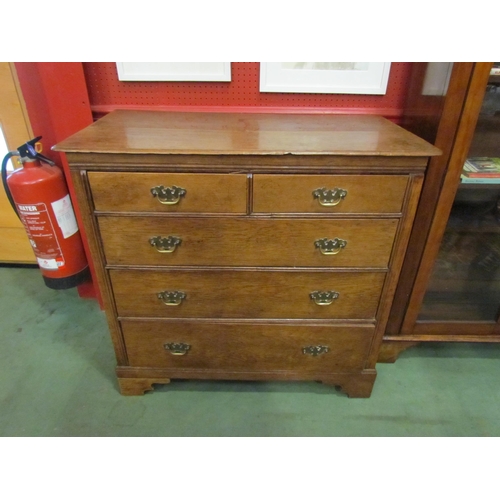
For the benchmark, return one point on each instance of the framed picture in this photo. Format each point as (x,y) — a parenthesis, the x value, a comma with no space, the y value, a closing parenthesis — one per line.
(174,71)
(437,78)
(325,77)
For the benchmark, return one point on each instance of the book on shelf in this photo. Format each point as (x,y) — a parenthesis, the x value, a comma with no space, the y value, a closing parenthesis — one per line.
(481,167)
(479,180)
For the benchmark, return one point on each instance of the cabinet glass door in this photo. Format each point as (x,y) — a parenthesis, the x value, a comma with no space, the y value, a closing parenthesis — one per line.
(465,282)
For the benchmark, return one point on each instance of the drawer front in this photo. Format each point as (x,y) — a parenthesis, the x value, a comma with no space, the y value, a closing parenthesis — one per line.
(247,294)
(248,241)
(246,348)
(195,193)
(343,194)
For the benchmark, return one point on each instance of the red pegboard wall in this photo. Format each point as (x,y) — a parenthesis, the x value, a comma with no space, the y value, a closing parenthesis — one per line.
(106,92)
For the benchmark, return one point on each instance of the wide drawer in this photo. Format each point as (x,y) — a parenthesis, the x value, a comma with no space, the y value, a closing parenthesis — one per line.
(247,294)
(247,241)
(247,347)
(185,193)
(342,194)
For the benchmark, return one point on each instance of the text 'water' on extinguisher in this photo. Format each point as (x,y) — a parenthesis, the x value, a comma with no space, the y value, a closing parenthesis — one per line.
(40,197)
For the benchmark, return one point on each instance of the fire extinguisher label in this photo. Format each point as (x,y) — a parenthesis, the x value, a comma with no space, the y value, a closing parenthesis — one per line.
(65,216)
(42,236)
(48,264)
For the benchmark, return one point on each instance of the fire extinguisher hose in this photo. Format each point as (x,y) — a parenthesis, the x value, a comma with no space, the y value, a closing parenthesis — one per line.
(7,157)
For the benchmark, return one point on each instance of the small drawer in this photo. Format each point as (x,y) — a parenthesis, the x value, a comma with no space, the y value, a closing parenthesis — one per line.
(329,194)
(247,241)
(247,347)
(247,294)
(169,193)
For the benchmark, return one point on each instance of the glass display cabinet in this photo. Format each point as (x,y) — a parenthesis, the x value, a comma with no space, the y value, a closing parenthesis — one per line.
(449,288)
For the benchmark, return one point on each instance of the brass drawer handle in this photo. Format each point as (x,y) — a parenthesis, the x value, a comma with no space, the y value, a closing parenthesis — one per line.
(165,245)
(324,298)
(315,350)
(177,348)
(168,195)
(330,247)
(171,298)
(329,197)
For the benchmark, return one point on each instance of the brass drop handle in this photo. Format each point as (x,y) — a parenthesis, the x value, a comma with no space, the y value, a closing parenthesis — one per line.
(324,298)
(177,348)
(330,246)
(329,197)
(171,298)
(315,350)
(168,195)
(165,245)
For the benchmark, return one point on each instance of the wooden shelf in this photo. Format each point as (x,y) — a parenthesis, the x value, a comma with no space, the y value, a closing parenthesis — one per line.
(480,185)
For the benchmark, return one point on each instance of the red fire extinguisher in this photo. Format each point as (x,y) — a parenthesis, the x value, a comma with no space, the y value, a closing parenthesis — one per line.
(39,195)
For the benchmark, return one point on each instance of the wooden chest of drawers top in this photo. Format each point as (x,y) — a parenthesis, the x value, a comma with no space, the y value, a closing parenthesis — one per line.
(154,133)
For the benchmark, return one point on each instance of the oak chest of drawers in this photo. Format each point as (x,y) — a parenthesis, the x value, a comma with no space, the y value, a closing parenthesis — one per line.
(246,246)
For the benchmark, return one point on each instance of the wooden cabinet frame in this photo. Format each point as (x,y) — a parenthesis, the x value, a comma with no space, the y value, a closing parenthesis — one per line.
(450,125)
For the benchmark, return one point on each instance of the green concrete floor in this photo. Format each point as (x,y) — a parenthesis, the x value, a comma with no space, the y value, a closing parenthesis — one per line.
(57,379)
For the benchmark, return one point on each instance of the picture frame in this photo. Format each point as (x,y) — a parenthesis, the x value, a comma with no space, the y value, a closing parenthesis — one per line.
(174,71)
(325,78)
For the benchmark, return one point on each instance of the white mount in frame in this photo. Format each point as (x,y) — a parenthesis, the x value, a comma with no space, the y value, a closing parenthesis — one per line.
(174,71)
(325,78)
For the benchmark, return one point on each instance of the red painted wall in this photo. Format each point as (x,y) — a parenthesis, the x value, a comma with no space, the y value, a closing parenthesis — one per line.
(56,100)
(58,106)
(106,93)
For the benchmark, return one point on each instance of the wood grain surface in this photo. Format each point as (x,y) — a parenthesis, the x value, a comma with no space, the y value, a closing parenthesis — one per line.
(245,241)
(247,347)
(157,132)
(247,294)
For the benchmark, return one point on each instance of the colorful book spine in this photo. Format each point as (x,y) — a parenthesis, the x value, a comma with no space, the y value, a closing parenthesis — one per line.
(482,167)
(479,180)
